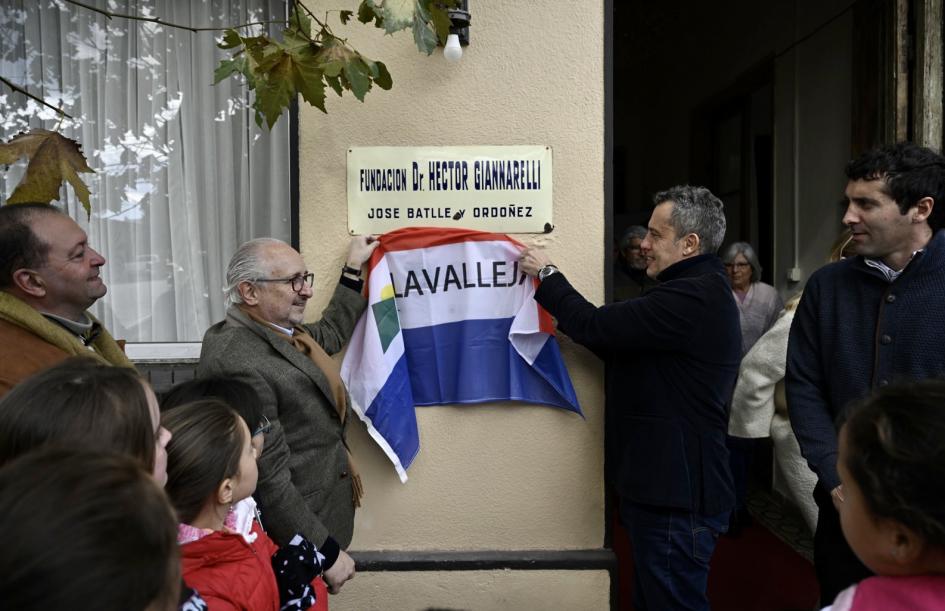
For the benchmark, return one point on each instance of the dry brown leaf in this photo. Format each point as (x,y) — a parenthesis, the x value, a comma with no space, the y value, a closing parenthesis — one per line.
(53,159)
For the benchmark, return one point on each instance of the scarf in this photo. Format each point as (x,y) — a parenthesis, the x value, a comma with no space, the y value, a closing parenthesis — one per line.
(302,340)
(105,348)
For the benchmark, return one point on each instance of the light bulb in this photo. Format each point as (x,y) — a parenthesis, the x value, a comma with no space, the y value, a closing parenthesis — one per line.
(452,51)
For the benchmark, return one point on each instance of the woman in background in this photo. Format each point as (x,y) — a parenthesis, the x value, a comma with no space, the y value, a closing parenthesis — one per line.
(759,408)
(758,303)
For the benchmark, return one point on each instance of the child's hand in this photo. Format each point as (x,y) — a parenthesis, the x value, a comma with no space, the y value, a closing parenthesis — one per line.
(340,572)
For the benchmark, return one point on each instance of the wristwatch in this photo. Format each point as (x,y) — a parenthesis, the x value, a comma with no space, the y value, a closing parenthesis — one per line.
(546,271)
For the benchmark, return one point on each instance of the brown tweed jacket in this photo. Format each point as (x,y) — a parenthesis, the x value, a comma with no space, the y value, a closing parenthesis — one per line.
(304,480)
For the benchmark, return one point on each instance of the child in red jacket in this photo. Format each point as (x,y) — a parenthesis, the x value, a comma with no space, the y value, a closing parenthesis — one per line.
(225,554)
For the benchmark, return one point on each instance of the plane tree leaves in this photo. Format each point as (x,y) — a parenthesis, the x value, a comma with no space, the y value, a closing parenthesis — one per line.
(53,159)
(397,14)
(306,58)
(434,13)
(427,18)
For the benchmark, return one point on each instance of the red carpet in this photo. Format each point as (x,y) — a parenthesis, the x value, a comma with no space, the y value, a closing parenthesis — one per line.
(755,571)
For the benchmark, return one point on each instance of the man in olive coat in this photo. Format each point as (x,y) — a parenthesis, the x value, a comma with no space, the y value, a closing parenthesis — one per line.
(306,484)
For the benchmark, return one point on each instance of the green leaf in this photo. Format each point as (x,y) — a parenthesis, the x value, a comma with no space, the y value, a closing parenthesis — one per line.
(335,83)
(300,21)
(275,87)
(226,69)
(440,19)
(398,14)
(380,74)
(293,40)
(345,16)
(333,57)
(231,39)
(424,37)
(359,77)
(308,82)
(367,11)
(257,43)
(248,69)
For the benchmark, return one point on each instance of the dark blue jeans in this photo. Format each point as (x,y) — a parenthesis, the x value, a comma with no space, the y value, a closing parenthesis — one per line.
(671,553)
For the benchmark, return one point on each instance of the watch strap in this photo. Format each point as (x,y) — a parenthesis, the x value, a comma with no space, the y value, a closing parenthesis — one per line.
(547,271)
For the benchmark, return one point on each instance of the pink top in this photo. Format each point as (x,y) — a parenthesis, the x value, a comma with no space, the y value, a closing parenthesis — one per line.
(908,593)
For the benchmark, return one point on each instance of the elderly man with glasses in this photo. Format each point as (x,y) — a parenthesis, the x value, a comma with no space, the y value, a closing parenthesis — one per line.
(307,482)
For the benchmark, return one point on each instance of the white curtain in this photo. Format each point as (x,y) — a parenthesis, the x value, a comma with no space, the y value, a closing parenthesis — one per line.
(183,174)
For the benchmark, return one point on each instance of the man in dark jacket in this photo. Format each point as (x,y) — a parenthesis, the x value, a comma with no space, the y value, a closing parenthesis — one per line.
(867,321)
(677,350)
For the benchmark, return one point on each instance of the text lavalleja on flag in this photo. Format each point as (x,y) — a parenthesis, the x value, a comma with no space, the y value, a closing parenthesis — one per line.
(433,335)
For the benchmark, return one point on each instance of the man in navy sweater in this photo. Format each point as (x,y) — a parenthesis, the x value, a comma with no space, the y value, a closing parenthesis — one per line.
(868,321)
(675,352)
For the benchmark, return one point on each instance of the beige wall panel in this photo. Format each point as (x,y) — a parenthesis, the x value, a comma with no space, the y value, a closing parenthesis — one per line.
(823,148)
(496,476)
(476,591)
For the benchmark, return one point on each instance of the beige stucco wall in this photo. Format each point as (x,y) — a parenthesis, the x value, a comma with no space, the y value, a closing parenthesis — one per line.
(475,591)
(497,476)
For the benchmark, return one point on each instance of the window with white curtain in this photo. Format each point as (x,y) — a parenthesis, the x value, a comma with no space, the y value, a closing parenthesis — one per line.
(183,174)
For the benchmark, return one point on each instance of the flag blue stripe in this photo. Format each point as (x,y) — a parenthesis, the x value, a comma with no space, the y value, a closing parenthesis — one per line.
(392,414)
(472,361)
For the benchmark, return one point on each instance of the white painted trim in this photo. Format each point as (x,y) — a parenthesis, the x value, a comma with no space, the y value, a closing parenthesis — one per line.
(157,351)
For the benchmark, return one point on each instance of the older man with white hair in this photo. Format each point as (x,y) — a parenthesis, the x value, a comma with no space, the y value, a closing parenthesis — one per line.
(307,483)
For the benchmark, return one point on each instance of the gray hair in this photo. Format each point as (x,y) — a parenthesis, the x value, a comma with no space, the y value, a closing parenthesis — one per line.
(695,210)
(245,266)
(744,249)
(633,231)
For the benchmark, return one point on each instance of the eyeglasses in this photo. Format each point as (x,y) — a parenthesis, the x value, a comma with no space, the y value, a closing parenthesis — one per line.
(306,279)
(738,265)
(262,428)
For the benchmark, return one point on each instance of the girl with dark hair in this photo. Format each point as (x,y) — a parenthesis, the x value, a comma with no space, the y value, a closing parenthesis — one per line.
(85,530)
(239,395)
(81,402)
(225,554)
(892,465)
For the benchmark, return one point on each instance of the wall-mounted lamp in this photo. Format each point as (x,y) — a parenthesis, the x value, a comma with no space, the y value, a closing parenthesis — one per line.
(459,31)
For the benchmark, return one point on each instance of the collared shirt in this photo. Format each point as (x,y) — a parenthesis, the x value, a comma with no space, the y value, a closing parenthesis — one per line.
(283,329)
(887,271)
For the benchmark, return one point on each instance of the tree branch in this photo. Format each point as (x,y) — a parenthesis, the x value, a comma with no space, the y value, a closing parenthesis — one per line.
(160,21)
(322,24)
(19,89)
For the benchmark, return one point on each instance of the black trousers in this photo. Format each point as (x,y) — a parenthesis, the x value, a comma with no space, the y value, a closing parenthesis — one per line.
(835,564)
